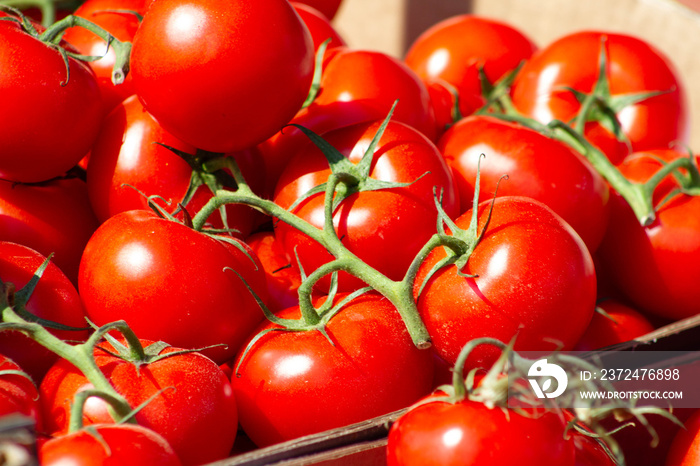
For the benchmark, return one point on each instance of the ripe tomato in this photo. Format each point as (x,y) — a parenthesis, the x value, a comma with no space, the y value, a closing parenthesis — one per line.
(656,267)
(203,69)
(328,7)
(469,433)
(622,323)
(109,445)
(292,384)
(454,50)
(541,90)
(684,449)
(534,278)
(54,298)
(114,17)
(64,115)
(537,167)
(171,283)
(319,26)
(372,224)
(195,411)
(18,395)
(52,218)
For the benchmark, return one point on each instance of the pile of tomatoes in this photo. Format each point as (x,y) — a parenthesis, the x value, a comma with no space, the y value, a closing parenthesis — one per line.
(220,221)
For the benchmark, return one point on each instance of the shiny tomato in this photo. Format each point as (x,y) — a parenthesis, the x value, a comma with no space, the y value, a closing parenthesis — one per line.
(537,167)
(54,298)
(469,433)
(120,19)
(374,225)
(195,411)
(218,75)
(63,115)
(618,324)
(655,267)
(541,89)
(171,283)
(533,277)
(52,218)
(292,384)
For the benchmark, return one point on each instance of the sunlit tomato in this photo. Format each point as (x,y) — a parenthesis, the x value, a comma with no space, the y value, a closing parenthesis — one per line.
(328,7)
(542,89)
(171,283)
(386,228)
(195,411)
(532,277)
(620,323)
(222,76)
(292,384)
(537,167)
(63,115)
(455,49)
(120,19)
(319,26)
(52,218)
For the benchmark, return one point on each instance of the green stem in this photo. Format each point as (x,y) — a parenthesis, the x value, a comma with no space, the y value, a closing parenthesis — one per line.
(76,411)
(460,388)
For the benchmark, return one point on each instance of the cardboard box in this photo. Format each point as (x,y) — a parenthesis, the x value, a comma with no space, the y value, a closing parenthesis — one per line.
(390,26)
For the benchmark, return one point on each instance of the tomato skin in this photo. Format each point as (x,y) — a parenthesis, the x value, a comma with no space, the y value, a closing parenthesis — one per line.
(292,384)
(373,224)
(327,7)
(684,449)
(376,79)
(454,49)
(537,167)
(61,121)
(52,218)
(202,69)
(530,267)
(122,26)
(623,324)
(18,395)
(656,267)
(467,433)
(539,90)
(138,261)
(124,445)
(198,417)
(319,26)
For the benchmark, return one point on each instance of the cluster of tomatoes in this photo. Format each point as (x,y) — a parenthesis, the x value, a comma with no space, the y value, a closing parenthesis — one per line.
(272,234)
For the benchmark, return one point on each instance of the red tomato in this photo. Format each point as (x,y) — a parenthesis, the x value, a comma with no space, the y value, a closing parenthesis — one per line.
(51,218)
(137,261)
(62,117)
(54,298)
(125,156)
(454,49)
(292,384)
(319,26)
(18,395)
(469,433)
(685,447)
(537,167)
(367,221)
(114,17)
(109,445)
(622,323)
(328,7)
(633,66)
(529,266)
(657,267)
(376,79)
(203,69)
(195,412)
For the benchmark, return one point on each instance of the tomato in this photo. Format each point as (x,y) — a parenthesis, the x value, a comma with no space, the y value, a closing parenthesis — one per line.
(292,384)
(52,218)
(454,50)
(171,283)
(319,26)
(633,66)
(113,16)
(534,278)
(684,449)
(54,298)
(537,167)
(469,433)
(109,445)
(203,69)
(55,121)
(622,323)
(376,79)
(656,267)
(195,411)
(18,395)
(372,224)
(128,163)
(327,7)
